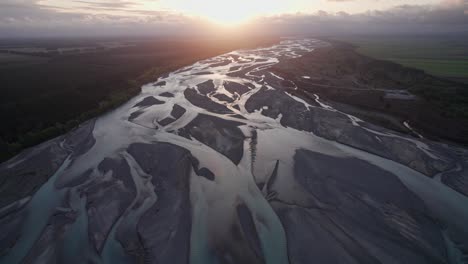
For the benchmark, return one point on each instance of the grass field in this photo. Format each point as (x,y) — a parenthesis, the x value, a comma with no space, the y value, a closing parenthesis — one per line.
(444,56)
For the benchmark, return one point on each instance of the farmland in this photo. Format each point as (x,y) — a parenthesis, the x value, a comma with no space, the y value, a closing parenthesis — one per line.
(441,56)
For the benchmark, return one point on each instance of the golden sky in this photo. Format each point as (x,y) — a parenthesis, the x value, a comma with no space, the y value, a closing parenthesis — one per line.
(185,17)
(226,11)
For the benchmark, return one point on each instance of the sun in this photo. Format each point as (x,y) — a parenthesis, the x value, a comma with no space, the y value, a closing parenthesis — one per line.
(227,12)
(235,16)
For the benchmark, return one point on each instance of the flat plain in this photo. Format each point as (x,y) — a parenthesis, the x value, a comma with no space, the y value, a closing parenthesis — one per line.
(445,56)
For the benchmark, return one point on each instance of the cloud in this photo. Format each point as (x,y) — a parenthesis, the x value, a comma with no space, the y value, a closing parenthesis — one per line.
(33,18)
(112,5)
(448,17)
(454,3)
(30,18)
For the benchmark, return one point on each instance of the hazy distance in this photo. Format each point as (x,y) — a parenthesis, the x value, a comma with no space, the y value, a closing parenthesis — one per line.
(58,18)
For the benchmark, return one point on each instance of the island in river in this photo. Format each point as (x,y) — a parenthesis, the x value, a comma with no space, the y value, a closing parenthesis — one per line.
(239,159)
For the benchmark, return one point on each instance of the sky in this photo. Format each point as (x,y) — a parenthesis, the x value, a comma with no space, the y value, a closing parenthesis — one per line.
(30,18)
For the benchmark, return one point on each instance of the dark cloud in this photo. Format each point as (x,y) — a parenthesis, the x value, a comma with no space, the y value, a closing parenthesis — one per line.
(445,18)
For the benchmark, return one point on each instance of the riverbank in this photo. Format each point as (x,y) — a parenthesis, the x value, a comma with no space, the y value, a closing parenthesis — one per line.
(403,99)
(221,162)
(45,95)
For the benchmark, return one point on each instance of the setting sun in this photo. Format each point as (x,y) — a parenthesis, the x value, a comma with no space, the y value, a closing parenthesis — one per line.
(229,12)
(220,12)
